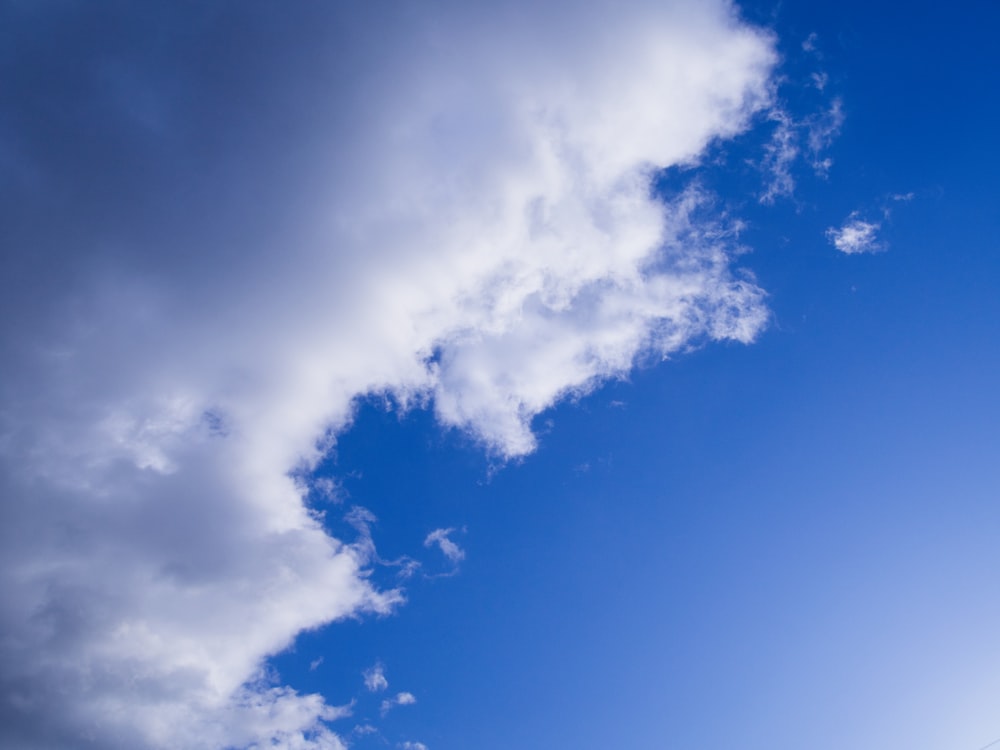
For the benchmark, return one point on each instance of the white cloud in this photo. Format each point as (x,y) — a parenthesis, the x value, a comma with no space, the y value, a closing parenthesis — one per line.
(779,156)
(450,550)
(856,236)
(822,129)
(413,746)
(375,678)
(482,235)
(785,148)
(401,699)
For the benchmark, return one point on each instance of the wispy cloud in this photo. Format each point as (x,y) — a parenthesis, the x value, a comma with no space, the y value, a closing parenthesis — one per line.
(450,550)
(859,234)
(801,139)
(779,155)
(804,140)
(822,129)
(375,678)
(400,699)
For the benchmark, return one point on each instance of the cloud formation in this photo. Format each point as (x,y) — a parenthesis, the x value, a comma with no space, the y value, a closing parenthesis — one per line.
(375,678)
(449,549)
(233,222)
(785,148)
(855,236)
(400,699)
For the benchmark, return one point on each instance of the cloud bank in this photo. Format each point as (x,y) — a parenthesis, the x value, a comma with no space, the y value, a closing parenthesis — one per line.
(222,225)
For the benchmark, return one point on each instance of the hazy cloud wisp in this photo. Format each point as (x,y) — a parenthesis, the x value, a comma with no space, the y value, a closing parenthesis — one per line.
(375,678)
(449,549)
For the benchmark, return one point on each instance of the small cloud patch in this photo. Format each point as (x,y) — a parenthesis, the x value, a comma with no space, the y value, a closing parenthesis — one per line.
(856,236)
(375,678)
(401,699)
(450,550)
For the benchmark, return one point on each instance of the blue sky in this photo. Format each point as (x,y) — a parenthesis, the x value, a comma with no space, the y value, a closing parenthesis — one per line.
(512,376)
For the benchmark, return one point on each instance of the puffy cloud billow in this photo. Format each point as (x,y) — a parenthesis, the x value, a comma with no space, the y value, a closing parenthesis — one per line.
(222,224)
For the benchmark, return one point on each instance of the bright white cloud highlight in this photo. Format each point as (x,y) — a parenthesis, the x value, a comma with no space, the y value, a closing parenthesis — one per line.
(450,205)
(856,236)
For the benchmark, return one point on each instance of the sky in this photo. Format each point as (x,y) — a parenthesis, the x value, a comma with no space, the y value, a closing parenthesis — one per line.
(435,375)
